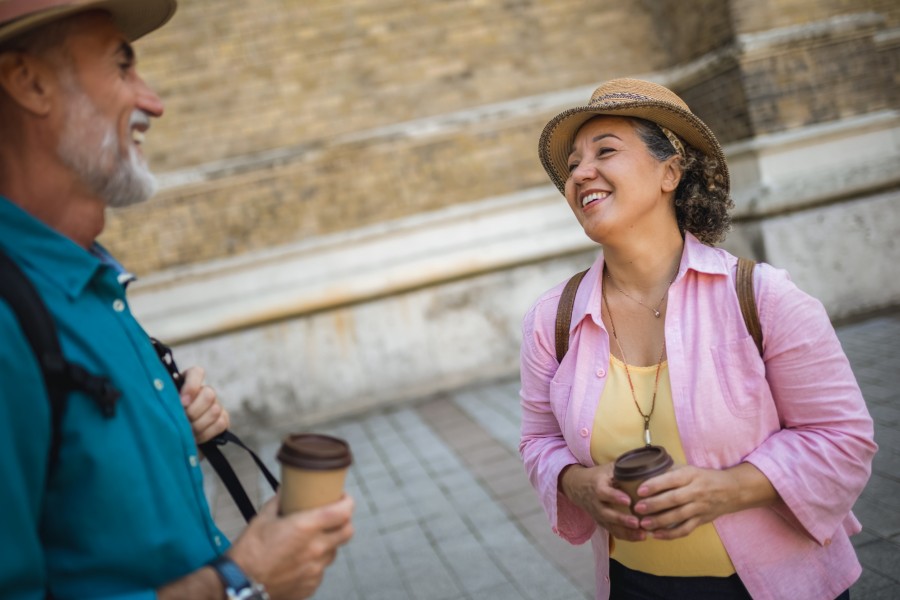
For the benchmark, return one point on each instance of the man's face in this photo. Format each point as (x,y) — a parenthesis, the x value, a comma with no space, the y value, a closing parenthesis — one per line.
(107,111)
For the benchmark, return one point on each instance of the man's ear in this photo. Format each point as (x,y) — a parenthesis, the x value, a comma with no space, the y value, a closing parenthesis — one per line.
(28,81)
(672,173)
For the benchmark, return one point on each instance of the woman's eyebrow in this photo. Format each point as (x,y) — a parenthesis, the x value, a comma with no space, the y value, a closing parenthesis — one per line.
(596,138)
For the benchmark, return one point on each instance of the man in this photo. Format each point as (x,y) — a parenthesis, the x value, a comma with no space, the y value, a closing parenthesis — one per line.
(122,513)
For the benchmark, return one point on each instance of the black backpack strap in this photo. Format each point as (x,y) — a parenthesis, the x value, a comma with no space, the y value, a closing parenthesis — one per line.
(211,449)
(60,375)
(564,314)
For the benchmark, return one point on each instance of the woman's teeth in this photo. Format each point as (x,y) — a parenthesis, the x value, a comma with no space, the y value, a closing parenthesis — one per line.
(591,197)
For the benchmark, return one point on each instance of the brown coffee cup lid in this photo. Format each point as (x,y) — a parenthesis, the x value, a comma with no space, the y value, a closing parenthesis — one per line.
(315,452)
(642,463)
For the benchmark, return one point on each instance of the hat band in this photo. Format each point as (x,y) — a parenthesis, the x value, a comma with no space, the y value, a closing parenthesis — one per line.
(673,139)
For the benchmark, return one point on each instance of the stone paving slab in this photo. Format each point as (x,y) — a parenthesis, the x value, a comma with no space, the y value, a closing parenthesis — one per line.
(445,512)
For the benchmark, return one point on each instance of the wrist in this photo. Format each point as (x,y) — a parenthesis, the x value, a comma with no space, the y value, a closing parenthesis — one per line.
(238,586)
(752,488)
(565,478)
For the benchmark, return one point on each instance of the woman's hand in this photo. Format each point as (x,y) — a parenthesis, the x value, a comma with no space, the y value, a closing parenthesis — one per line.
(677,502)
(591,489)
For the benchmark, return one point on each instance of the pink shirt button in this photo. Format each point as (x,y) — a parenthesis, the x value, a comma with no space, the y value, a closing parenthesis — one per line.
(584,432)
(601,372)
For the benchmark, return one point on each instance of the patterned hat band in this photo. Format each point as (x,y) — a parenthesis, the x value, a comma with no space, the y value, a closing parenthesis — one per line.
(673,139)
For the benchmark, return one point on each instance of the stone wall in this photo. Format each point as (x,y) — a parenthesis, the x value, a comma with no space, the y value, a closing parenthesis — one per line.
(268,96)
(353,212)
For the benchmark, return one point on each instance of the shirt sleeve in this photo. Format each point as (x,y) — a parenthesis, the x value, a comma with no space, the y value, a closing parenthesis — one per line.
(826,428)
(24,448)
(542,446)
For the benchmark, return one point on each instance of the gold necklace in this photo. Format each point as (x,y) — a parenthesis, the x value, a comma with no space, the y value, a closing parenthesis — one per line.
(655,311)
(662,351)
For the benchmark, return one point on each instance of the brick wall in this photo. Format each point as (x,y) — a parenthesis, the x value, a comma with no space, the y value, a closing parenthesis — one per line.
(241,79)
(761,15)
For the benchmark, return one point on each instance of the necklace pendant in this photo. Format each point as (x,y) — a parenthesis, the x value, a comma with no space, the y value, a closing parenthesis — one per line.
(656,313)
(647,440)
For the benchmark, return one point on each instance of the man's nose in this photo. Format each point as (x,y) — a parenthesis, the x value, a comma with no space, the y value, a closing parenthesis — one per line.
(148,100)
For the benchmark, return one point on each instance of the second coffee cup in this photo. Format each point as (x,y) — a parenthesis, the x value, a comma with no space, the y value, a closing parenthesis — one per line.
(313,470)
(634,467)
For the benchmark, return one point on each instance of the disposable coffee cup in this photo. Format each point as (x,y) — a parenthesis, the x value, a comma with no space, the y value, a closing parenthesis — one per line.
(313,471)
(636,466)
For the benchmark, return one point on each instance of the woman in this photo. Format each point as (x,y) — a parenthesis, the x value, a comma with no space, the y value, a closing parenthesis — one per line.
(771,450)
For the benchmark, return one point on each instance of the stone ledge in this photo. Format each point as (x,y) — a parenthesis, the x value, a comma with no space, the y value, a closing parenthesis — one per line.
(787,171)
(197,301)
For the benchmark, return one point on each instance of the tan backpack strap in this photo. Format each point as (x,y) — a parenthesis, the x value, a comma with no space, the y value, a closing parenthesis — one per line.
(747,300)
(564,314)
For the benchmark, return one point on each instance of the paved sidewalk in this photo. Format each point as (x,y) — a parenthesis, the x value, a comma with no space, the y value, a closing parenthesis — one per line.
(444,511)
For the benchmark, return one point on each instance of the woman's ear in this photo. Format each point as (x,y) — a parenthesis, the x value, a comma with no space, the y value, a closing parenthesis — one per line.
(27,81)
(672,173)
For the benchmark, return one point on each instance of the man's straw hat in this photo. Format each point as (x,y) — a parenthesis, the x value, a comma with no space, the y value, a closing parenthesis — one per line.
(626,98)
(134,17)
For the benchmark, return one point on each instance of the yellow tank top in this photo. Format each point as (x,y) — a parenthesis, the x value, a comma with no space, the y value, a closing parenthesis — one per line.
(618,428)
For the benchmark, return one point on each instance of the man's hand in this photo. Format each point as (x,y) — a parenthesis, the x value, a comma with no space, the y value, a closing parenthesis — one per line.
(208,418)
(289,554)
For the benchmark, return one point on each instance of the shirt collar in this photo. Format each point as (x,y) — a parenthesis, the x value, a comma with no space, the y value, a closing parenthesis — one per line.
(696,256)
(46,251)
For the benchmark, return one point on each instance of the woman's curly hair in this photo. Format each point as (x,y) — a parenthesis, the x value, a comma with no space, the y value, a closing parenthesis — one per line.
(702,203)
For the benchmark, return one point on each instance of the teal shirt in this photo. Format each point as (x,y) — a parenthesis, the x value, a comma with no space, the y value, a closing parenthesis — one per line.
(124,510)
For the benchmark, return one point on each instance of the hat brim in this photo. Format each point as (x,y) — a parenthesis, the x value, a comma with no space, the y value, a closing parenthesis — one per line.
(555,144)
(135,18)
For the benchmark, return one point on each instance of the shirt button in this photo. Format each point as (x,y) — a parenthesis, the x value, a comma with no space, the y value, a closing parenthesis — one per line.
(158,384)
(584,432)
(193,460)
(218,541)
(118,305)
(827,542)
(601,372)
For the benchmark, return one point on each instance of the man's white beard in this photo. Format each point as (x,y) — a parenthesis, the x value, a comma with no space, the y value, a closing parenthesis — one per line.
(89,145)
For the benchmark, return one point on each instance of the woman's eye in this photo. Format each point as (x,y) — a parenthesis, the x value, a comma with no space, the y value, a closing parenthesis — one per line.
(603,151)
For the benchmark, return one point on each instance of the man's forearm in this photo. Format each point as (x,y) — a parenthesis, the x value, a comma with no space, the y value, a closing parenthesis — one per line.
(202,584)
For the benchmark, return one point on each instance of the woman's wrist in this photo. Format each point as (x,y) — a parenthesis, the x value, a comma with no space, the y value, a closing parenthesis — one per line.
(565,479)
(752,489)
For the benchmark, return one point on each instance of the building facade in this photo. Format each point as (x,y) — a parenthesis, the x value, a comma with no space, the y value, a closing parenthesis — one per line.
(353,212)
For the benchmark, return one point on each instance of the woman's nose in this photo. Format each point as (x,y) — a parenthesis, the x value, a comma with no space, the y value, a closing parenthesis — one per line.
(585,171)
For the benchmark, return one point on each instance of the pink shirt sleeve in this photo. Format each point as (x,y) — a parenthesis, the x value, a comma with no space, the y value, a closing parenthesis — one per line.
(820,460)
(543,446)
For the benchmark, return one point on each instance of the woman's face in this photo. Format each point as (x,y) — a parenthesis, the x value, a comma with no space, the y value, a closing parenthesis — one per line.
(615,187)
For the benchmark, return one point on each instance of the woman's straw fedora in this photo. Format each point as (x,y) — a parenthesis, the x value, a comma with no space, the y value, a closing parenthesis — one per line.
(134,17)
(626,98)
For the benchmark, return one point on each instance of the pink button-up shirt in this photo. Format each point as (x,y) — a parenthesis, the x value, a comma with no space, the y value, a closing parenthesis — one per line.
(797,415)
